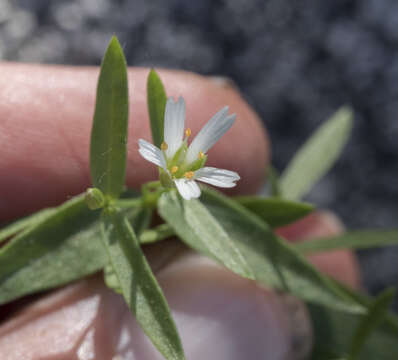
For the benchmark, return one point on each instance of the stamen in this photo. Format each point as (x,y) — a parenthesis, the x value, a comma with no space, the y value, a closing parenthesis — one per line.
(189,175)
(201,155)
(174,169)
(188,132)
(164,146)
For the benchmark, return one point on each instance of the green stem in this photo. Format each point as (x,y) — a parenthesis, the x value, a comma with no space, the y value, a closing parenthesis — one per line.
(124,203)
(157,233)
(150,193)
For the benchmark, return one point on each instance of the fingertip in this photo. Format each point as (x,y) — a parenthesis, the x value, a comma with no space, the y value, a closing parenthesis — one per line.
(47,114)
(340,264)
(221,308)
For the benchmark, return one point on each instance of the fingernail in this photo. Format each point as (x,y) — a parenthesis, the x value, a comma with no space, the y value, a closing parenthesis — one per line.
(298,322)
(317,224)
(224,82)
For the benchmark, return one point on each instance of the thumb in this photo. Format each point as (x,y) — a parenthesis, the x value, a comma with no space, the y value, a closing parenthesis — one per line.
(218,315)
(222,316)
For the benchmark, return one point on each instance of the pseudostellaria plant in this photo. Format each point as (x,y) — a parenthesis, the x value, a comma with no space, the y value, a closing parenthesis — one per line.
(106,228)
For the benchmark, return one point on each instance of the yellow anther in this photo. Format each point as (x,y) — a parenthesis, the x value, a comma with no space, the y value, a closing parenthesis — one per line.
(174,169)
(201,155)
(189,175)
(164,146)
(188,132)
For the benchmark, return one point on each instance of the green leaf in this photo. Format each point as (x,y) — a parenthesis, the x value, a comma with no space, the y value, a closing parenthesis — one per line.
(17,226)
(275,211)
(333,329)
(370,322)
(138,285)
(367,301)
(360,239)
(109,132)
(50,253)
(273,261)
(156,98)
(273,178)
(317,155)
(199,229)
(64,246)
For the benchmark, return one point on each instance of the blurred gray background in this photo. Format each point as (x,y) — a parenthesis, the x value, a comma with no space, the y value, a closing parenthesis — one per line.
(295,62)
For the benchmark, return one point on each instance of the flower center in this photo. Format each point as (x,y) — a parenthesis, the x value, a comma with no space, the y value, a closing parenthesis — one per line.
(177,167)
(189,175)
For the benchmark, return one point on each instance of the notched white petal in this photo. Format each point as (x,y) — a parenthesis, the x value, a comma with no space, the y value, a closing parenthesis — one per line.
(174,120)
(214,129)
(217,177)
(151,153)
(188,189)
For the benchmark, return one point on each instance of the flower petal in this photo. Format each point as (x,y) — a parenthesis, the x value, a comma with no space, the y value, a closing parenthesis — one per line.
(174,119)
(188,189)
(217,177)
(151,153)
(214,129)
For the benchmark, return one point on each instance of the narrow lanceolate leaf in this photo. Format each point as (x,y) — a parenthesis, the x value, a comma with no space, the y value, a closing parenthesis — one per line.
(199,229)
(65,246)
(375,316)
(109,132)
(156,98)
(317,155)
(17,226)
(50,253)
(360,239)
(273,178)
(333,331)
(138,285)
(367,301)
(275,211)
(273,261)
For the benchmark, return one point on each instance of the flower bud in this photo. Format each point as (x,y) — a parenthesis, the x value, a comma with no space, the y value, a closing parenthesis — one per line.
(94,198)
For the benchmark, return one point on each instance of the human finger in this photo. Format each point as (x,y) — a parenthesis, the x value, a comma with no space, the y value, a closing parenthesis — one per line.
(340,264)
(46,115)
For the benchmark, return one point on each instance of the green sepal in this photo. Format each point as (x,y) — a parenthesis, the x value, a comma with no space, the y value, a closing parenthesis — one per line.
(198,164)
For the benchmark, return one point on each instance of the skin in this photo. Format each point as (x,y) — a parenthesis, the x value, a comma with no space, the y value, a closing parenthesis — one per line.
(46,114)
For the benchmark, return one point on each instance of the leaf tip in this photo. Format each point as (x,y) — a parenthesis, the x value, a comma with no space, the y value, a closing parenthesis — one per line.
(153,76)
(346,114)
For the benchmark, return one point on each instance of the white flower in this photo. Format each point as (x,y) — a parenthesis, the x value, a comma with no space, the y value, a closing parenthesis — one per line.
(183,164)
